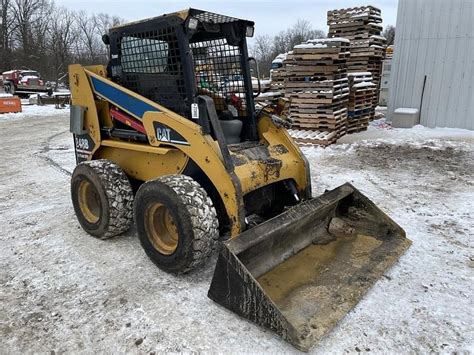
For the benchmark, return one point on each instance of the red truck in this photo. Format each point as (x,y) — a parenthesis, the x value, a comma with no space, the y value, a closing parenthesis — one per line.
(24,82)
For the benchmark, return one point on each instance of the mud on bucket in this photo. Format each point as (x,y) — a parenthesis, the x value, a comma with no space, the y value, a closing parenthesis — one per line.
(299,273)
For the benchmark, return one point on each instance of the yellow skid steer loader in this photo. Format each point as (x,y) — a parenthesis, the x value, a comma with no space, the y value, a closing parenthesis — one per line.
(167,134)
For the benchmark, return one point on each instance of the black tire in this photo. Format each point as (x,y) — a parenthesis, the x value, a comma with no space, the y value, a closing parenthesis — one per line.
(102,198)
(176,222)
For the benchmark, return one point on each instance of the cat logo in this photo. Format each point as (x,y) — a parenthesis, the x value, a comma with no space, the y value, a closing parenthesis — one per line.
(163,134)
(168,135)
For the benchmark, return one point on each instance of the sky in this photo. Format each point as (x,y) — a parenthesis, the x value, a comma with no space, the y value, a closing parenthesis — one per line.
(270,16)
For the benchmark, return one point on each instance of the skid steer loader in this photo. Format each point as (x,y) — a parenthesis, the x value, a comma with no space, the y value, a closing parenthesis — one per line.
(167,135)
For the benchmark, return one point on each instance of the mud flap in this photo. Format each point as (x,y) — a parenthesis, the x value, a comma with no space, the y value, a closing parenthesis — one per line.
(299,273)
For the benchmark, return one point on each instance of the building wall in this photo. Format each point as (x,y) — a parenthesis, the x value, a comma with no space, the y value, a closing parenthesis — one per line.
(435,38)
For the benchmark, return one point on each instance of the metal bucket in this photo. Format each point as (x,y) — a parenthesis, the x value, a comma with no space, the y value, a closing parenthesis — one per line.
(299,273)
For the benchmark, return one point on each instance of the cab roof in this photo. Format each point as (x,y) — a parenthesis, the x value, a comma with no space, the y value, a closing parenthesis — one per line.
(201,15)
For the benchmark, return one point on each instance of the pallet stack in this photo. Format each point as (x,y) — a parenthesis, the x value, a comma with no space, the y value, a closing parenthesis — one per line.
(361,25)
(278,74)
(317,85)
(360,106)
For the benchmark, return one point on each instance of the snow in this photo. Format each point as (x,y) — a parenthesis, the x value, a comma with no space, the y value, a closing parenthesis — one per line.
(33,111)
(362,14)
(25,78)
(362,73)
(319,43)
(65,291)
(375,24)
(280,58)
(363,84)
(407,111)
(378,37)
(310,45)
(4,96)
(270,94)
(328,40)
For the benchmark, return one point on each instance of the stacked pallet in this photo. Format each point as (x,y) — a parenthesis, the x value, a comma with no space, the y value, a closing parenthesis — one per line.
(361,25)
(360,105)
(278,73)
(316,83)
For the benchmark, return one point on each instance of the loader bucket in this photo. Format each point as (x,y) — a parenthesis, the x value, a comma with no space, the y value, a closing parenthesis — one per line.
(299,273)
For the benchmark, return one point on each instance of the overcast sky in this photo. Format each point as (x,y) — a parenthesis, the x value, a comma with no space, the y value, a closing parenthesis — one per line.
(270,16)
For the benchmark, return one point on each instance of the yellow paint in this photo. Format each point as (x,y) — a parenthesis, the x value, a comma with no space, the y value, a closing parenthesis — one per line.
(81,95)
(147,161)
(143,165)
(204,151)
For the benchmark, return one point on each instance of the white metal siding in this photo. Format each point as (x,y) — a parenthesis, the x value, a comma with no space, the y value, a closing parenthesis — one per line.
(435,38)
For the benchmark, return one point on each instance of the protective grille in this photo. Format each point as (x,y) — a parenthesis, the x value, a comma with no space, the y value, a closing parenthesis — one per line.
(211,17)
(151,67)
(219,74)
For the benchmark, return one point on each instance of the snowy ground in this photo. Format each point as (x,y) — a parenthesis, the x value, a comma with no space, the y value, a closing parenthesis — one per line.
(64,291)
(34,111)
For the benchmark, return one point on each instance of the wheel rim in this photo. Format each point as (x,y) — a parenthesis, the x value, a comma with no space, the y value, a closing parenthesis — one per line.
(89,201)
(161,228)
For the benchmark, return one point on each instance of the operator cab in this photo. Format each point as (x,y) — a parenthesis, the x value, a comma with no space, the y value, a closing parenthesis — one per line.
(189,62)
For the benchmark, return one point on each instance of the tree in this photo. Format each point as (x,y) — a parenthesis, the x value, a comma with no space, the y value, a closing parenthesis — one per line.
(103,23)
(7,23)
(37,35)
(31,20)
(87,25)
(389,34)
(265,49)
(62,35)
(302,31)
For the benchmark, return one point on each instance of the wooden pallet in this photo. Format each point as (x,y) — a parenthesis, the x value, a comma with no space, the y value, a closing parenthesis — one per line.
(324,83)
(324,126)
(325,110)
(355,32)
(314,137)
(352,12)
(316,113)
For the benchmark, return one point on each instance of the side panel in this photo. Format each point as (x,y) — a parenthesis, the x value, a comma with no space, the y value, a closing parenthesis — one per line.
(145,165)
(163,128)
(81,95)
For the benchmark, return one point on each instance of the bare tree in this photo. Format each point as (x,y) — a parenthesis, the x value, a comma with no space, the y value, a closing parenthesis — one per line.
(300,32)
(87,25)
(29,18)
(7,26)
(103,23)
(62,35)
(37,35)
(281,42)
(264,51)
(389,34)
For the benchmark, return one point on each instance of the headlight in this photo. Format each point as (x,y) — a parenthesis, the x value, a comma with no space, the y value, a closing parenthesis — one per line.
(193,23)
(249,31)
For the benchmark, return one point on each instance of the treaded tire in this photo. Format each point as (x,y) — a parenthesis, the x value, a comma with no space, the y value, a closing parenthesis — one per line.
(194,219)
(114,201)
